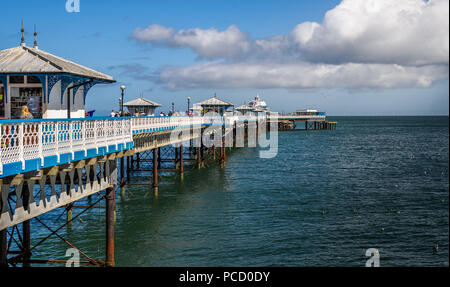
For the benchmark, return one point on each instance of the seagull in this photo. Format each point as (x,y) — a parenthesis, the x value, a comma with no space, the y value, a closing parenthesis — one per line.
(436,248)
(382,229)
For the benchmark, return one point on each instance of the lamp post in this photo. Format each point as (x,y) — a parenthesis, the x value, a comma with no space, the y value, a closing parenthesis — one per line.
(173,108)
(121,102)
(189,104)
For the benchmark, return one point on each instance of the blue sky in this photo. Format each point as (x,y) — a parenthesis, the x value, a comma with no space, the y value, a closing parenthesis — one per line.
(172,67)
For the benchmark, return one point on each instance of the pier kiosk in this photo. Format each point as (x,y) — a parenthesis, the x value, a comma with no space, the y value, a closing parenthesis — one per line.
(142,106)
(215,105)
(50,86)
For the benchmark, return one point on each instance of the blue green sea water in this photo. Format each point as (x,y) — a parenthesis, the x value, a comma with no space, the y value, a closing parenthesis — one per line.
(322,201)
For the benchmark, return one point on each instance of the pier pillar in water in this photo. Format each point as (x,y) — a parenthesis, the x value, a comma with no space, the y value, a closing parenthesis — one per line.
(176,157)
(155,168)
(199,157)
(138,161)
(3,249)
(159,158)
(69,214)
(181,162)
(306,125)
(122,178)
(110,206)
(128,169)
(26,227)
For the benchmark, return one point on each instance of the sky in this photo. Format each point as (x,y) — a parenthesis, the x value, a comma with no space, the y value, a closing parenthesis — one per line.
(350,57)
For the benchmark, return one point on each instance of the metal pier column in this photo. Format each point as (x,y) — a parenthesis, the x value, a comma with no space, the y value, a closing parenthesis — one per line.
(122,178)
(138,161)
(26,227)
(128,169)
(181,162)
(110,205)
(199,157)
(155,169)
(3,249)
(176,157)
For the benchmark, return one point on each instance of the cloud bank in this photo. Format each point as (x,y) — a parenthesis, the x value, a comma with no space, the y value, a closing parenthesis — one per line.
(360,43)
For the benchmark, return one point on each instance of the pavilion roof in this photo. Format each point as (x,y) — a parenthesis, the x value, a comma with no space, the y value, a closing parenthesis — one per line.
(244,108)
(214,101)
(141,102)
(27,60)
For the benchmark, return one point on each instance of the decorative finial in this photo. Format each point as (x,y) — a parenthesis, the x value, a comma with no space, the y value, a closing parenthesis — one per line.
(215,95)
(22,42)
(35,38)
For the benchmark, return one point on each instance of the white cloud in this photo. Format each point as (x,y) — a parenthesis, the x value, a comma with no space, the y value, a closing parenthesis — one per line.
(406,32)
(152,33)
(207,43)
(300,75)
(360,43)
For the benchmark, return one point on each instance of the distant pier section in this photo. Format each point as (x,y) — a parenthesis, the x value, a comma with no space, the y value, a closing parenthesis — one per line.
(312,120)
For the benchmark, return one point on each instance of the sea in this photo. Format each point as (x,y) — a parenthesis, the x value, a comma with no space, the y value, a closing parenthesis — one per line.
(328,198)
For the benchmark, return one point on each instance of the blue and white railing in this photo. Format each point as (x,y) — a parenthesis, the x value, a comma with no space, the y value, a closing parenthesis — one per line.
(29,145)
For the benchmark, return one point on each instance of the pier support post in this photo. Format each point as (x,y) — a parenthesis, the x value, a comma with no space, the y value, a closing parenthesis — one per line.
(110,206)
(155,168)
(199,157)
(176,157)
(181,162)
(69,215)
(26,232)
(222,149)
(128,169)
(159,158)
(3,249)
(122,178)
(138,161)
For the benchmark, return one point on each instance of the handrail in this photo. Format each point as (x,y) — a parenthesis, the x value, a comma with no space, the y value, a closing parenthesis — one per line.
(22,140)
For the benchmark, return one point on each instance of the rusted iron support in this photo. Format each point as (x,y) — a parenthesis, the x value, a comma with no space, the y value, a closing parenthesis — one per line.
(110,206)
(26,232)
(93,262)
(62,226)
(138,160)
(175,160)
(159,158)
(128,169)
(87,206)
(122,178)
(56,262)
(3,248)
(181,161)
(155,167)
(199,157)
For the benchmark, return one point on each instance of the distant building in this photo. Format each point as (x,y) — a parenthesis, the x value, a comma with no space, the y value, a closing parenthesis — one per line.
(215,105)
(141,105)
(245,110)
